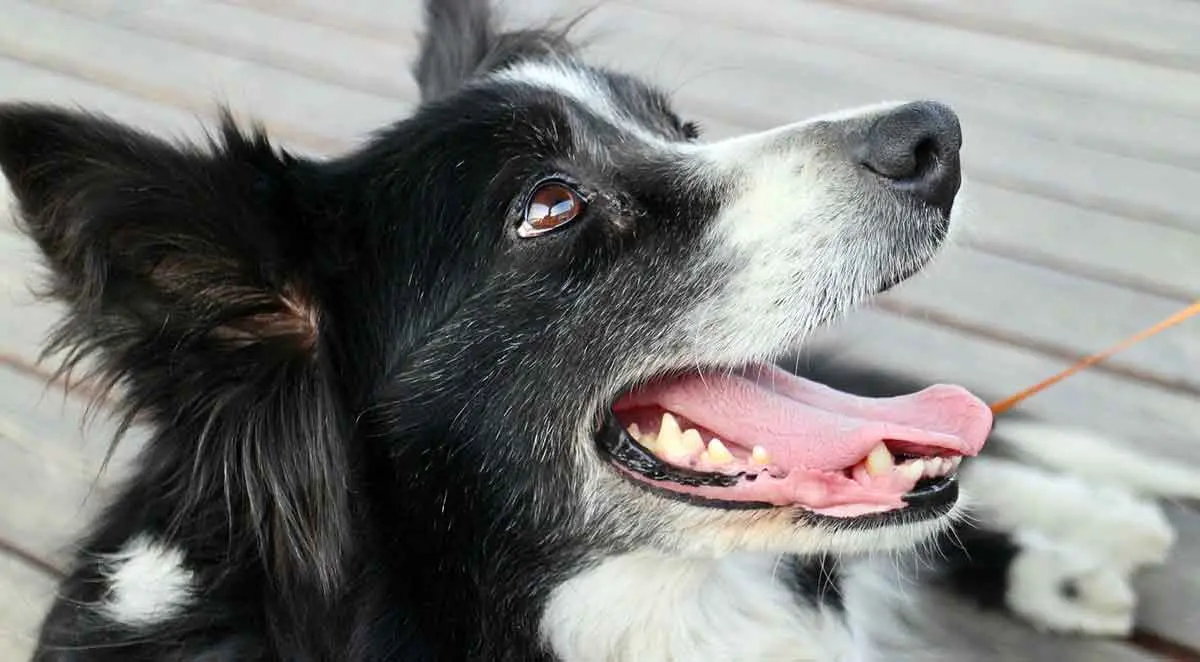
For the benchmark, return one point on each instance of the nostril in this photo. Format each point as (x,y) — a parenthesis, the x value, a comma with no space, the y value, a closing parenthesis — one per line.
(926,157)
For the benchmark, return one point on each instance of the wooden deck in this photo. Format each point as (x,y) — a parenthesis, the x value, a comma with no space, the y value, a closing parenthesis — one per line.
(1082,123)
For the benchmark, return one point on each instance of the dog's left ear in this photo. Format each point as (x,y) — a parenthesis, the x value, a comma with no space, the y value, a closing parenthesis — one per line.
(461,41)
(192,276)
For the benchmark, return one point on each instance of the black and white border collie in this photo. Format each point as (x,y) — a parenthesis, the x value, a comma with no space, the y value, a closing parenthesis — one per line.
(500,384)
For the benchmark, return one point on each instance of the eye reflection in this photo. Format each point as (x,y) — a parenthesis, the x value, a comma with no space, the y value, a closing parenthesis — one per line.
(552,205)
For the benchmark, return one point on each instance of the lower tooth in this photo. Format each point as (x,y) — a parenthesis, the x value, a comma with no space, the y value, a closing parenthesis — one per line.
(760,456)
(718,453)
(913,469)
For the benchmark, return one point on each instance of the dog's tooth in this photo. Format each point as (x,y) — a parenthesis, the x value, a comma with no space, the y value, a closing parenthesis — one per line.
(669,428)
(718,453)
(634,431)
(954,462)
(913,469)
(649,440)
(670,438)
(692,441)
(760,456)
(880,461)
(933,467)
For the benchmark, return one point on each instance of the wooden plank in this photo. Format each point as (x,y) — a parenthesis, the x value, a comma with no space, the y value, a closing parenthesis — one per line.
(344,59)
(162,70)
(1156,420)
(27,595)
(948,49)
(1065,314)
(1098,245)
(24,82)
(379,19)
(1170,604)
(53,461)
(24,323)
(1135,31)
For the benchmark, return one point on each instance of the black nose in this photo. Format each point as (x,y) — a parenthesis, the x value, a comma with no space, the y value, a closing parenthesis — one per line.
(915,146)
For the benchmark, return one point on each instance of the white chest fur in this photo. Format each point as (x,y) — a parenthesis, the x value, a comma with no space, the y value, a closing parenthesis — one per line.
(647,607)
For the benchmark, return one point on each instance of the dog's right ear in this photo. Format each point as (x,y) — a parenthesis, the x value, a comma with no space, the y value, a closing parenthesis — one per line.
(193,277)
(461,41)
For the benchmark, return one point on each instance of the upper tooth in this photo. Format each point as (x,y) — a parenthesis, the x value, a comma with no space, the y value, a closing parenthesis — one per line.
(692,441)
(913,469)
(635,431)
(760,456)
(933,466)
(670,437)
(669,427)
(880,461)
(955,461)
(717,452)
(649,440)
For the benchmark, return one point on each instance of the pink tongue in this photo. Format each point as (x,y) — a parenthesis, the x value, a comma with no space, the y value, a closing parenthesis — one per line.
(803,424)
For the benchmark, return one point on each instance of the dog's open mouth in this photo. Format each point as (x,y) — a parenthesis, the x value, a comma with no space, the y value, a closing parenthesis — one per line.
(763,437)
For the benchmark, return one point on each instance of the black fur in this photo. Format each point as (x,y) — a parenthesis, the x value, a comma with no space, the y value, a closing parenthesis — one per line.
(818,582)
(295,333)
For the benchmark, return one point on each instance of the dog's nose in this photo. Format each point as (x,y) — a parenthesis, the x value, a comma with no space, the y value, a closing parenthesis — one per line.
(915,147)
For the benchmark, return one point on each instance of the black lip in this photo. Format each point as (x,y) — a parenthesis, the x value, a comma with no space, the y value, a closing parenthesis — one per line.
(931,498)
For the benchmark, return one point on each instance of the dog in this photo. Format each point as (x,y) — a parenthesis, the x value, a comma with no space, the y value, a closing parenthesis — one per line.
(502,384)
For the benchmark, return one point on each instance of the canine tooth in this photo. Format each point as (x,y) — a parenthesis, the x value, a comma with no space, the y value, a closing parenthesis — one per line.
(634,431)
(954,462)
(760,456)
(669,427)
(670,437)
(692,441)
(880,461)
(718,453)
(913,469)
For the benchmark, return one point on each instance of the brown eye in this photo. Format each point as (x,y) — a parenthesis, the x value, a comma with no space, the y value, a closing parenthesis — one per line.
(551,206)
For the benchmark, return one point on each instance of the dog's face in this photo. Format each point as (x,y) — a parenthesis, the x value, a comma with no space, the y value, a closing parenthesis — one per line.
(632,281)
(542,298)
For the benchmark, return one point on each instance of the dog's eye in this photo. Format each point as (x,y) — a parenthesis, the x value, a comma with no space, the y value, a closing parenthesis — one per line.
(552,205)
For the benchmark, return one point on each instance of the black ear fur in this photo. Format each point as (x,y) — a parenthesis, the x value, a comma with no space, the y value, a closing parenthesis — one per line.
(462,41)
(190,276)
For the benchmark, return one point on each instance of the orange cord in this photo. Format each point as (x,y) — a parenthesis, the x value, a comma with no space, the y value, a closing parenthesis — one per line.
(1013,400)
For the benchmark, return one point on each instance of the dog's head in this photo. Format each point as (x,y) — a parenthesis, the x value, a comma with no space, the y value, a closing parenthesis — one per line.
(542,303)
